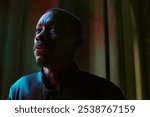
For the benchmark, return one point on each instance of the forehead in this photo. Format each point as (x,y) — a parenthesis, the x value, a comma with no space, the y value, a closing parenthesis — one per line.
(59,18)
(46,19)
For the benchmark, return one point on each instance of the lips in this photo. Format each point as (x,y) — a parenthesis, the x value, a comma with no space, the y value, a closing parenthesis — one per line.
(40,46)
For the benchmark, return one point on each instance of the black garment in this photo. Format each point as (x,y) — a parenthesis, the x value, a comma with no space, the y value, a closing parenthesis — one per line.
(77,85)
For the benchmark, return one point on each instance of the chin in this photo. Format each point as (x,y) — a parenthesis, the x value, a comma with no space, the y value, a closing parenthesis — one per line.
(40,61)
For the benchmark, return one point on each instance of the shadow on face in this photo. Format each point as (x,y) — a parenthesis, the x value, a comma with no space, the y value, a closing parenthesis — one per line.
(56,38)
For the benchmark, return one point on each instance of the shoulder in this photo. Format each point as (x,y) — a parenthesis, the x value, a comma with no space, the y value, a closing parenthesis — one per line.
(24,84)
(36,77)
(92,79)
(103,88)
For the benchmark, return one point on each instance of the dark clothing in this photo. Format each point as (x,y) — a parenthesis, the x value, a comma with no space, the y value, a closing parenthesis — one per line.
(77,85)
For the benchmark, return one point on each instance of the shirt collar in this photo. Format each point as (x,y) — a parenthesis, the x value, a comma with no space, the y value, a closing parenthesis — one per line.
(69,77)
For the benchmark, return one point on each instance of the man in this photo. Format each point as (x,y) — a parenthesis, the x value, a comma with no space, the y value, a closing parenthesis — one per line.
(58,35)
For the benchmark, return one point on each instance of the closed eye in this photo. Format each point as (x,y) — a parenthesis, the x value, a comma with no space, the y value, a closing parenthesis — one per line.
(38,30)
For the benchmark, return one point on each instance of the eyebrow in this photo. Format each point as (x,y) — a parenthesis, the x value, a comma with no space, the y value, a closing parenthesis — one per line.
(47,22)
(38,26)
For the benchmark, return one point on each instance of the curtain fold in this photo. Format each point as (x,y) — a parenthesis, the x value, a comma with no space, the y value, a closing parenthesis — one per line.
(3,30)
(12,43)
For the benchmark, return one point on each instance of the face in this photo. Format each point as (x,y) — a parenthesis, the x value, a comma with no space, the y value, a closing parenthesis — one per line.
(53,45)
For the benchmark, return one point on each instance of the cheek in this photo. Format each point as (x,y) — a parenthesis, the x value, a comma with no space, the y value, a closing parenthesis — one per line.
(35,41)
(53,35)
(67,50)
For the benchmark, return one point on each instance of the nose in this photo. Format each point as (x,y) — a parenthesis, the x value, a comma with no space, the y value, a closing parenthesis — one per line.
(42,36)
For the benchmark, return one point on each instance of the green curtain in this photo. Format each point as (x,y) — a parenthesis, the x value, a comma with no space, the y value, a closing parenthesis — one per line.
(142,11)
(12,42)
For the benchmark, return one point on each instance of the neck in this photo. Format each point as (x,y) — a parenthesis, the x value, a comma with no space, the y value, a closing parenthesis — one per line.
(50,74)
(55,75)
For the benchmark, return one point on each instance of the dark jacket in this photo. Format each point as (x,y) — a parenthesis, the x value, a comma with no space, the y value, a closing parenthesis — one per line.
(77,85)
